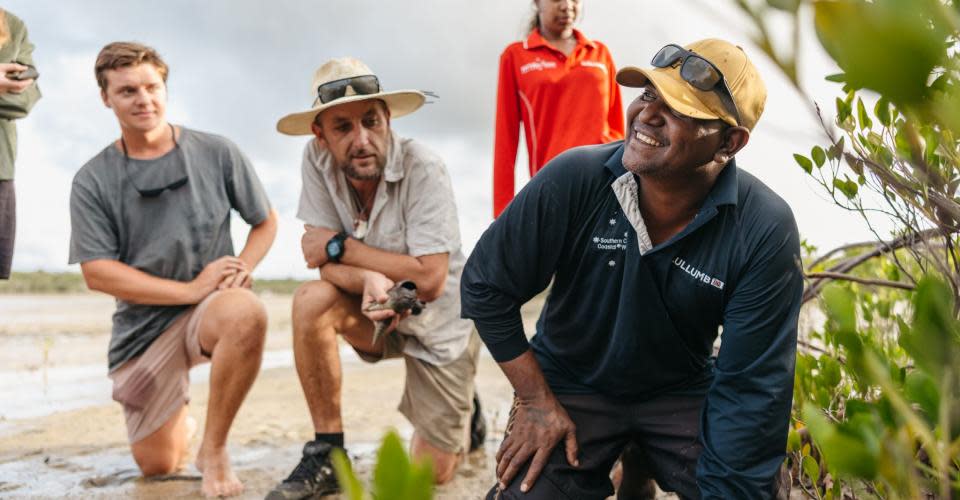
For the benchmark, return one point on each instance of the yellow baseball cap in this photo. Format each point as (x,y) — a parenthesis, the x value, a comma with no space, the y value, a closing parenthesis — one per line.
(746,87)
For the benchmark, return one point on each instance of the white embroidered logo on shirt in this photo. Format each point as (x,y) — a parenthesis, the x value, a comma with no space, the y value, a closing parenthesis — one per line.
(538,65)
(698,274)
(594,64)
(610,243)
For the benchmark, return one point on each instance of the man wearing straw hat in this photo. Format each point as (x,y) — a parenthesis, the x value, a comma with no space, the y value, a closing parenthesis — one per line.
(653,244)
(378,209)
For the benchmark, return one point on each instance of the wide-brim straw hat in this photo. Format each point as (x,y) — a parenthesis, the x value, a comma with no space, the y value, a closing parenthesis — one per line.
(400,102)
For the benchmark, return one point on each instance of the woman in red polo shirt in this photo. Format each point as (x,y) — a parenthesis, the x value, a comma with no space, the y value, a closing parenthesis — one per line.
(561,85)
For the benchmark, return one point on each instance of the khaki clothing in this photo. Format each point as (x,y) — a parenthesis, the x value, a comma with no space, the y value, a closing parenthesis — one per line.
(17,49)
(437,400)
(414,213)
(154,385)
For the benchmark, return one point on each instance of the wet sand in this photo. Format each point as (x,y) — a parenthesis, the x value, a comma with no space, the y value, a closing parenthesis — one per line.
(62,436)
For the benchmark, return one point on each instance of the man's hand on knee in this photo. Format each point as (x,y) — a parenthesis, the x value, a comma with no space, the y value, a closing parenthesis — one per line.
(537,426)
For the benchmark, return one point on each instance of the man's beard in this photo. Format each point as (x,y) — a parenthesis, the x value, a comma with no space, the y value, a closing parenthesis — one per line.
(354,173)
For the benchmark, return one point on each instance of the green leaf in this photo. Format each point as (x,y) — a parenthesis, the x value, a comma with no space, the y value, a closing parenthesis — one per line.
(819,156)
(784,5)
(420,484)
(922,390)
(931,142)
(855,406)
(392,471)
(811,468)
(867,39)
(793,441)
(846,186)
(841,309)
(862,116)
(852,188)
(830,371)
(882,110)
(932,339)
(843,110)
(848,450)
(352,489)
(855,164)
(804,162)
(837,78)
(902,144)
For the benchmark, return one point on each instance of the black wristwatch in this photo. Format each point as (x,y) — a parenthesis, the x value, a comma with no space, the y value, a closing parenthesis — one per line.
(335,247)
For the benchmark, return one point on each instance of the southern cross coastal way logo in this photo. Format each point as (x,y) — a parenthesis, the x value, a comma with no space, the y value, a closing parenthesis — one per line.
(611,243)
(697,274)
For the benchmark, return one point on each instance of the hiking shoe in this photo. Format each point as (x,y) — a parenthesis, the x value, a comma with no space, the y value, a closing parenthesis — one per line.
(314,475)
(478,425)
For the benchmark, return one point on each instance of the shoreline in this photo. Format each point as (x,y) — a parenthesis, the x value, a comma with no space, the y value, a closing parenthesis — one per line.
(53,348)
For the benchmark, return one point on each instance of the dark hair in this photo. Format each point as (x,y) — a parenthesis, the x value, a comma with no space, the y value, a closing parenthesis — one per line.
(126,54)
(534,21)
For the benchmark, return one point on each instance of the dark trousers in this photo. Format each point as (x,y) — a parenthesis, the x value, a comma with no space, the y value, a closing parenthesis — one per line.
(661,438)
(8,226)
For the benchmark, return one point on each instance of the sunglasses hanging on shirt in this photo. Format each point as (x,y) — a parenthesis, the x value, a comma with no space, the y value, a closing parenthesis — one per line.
(154,192)
(698,72)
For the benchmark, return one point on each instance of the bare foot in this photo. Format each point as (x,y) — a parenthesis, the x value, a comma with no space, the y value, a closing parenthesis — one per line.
(218,478)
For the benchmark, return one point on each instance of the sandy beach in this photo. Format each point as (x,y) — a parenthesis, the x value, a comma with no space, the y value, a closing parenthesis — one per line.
(62,436)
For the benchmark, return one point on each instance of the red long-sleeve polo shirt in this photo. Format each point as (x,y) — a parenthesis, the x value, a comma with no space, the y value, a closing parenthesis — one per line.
(563,102)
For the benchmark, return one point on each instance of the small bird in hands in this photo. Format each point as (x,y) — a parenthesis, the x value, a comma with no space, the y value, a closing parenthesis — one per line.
(401,298)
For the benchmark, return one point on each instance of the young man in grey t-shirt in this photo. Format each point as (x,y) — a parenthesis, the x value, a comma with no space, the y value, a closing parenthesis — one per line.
(150,225)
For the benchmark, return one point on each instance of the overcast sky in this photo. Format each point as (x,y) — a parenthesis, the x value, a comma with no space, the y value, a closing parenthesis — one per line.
(239,65)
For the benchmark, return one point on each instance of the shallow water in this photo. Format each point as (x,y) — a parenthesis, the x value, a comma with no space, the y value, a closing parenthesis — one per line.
(112,473)
(62,436)
(42,391)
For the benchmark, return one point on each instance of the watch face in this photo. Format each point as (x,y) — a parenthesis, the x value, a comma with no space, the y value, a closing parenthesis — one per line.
(334,249)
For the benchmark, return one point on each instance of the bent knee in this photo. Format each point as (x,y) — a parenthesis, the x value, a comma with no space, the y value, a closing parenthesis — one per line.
(239,305)
(154,463)
(444,463)
(313,299)
(241,313)
(445,469)
(446,474)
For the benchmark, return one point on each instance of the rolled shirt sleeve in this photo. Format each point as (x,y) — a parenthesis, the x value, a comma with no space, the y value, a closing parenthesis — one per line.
(316,206)
(747,410)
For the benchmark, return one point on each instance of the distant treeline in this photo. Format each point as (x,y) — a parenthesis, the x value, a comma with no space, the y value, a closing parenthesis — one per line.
(41,282)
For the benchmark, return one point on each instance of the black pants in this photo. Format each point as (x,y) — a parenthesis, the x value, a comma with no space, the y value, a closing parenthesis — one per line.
(8,226)
(659,439)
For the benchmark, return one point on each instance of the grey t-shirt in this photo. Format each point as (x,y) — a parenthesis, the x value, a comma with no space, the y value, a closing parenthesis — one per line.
(173,235)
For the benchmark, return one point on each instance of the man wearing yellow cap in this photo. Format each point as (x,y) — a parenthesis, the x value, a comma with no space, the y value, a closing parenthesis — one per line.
(379,209)
(654,244)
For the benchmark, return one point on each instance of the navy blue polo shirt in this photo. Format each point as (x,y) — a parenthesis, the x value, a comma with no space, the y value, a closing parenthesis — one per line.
(633,321)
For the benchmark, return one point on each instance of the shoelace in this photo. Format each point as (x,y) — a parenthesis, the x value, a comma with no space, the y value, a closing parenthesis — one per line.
(307,469)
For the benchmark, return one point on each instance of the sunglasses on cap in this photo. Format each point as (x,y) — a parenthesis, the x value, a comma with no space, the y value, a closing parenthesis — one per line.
(362,85)
(698,72)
